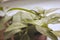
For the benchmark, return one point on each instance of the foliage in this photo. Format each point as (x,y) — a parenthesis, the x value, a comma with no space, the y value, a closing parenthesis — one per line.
(28,22)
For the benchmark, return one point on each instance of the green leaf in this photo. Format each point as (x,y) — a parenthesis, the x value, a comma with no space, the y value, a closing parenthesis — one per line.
(17,18)
(46,32)
(51,35)
(57,33)
(28,16)
(53,18)
(40,10)
(15,26)
(51,10)
(6,19)
(30,11)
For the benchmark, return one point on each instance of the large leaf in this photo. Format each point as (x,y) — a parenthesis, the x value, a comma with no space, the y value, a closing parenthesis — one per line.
(17,24)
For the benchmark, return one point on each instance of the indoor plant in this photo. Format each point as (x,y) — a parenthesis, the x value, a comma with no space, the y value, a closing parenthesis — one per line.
(28,23)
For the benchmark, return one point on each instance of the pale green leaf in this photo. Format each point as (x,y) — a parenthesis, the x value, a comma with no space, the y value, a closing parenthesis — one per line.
(15,26)
(6,19)
(51,10)
(40,10)
(53,18)
(17,18)
(57,33)
(46,32)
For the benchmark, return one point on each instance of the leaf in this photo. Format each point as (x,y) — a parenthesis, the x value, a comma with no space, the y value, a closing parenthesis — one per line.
(51,10)
(53,18)
(40,10)
(46,32)
(30,11)
(28,16)
(15,26)
(17,18)
(51,35)
(57,33)
(54,21)
(6,19)
(49,19)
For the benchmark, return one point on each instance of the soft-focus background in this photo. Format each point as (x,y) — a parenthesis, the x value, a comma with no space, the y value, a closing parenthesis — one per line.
(31,4)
